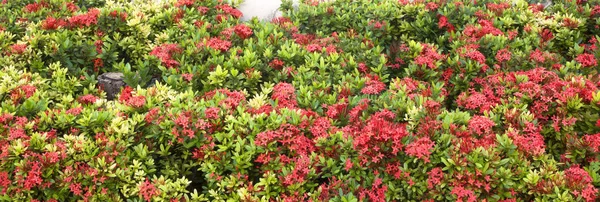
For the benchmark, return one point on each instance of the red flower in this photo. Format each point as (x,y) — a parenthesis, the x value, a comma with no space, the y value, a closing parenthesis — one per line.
(284,94)
(76,188)
(152,114)
(51,23)
(74,111)
(443,22)
(313,48)
(125,94)
(320,127)
(137,101)
(276,64)
(33,176)
(498,8)
(88,99)
(203,10)
(436,175)
(86,19)
(348,165)
(429,56)
(463,194)
(373,86)
(589,193)
(577,177)
(593,141)
(420,148)
(530,144)
(34,7)
(546,35)
(18,48)
(165,54)
(212,113)
(431,6)
(218,44)
(148,191)
(587,60)
(235,13)
(97,64)
(98,44)
(187,76)
(188,3)
(29,90)
(71,6)
(481,125)
(4,182)
(243,31)
(476,55)
(537,56)
(503,55)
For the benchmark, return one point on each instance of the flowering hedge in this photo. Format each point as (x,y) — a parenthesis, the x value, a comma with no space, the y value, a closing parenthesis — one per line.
(350,100)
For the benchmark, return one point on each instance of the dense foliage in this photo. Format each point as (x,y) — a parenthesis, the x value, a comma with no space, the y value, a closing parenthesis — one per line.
(350,100)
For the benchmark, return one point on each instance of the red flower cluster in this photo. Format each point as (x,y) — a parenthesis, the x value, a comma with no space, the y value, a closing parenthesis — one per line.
(577,177)
(587,60)
(284,94)
(243,31)
(229,10)
(436,175)
(165,54)
(300,171)
(481,125)
(18,48)
(35,7)
(217,44)
(463,194)
(503,55)
(498,8)
(148,191)
(546,35)
(593,142)
(376,194)
(24,91)
(4,182)
(187,76)
(378,137)
(290,137)
(187,3)
(320,127)
(120,15)
(276,64)
(212,113)
(128,99)
(475,101)
(234,98)
(537,56)
(34,177)
(487,27)
(71,6)
(313,48)
(373,86)
(580,181)
(420,148)
(51,23)
(429,56)
(443,23)
(86,19)
(531,144)
(88,99)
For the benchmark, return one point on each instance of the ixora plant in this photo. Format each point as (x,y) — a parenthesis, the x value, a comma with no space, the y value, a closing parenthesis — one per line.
(347,100)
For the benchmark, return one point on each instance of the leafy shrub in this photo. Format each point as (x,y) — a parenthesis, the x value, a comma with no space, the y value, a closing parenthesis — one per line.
(340,101)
